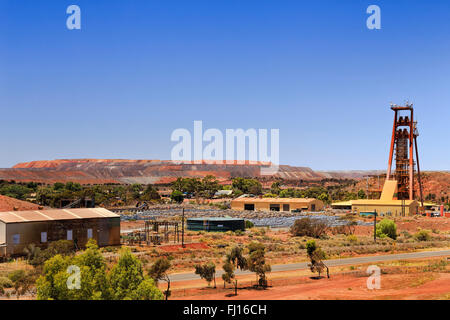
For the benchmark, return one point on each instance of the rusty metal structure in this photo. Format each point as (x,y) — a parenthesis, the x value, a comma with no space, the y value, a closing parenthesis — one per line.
(403,144)
(153,235)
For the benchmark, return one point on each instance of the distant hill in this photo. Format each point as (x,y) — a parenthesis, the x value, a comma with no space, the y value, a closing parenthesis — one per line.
(92,171)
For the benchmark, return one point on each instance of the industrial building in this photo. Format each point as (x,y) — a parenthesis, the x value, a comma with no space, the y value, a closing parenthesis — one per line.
(386,205)
(277,204)
(215,224)
(382,207)
(18,229)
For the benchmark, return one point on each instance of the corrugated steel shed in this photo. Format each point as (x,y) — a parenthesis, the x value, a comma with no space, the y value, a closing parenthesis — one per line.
(59,214)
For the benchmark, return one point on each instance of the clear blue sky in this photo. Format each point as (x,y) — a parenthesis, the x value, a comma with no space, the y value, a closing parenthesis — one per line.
(137,70)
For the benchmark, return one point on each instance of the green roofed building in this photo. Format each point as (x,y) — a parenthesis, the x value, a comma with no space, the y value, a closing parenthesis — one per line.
(215,224)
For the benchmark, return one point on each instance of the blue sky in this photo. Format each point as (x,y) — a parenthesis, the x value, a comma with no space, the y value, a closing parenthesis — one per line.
(137,70)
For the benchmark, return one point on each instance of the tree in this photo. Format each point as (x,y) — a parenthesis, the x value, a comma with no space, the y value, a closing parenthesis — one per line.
(85,277)
(237,258)
(15,191)
(386,228)
(209,186)
(58,186)
(275,188)
(177,196)
(257,262)
(146,290)
(207,271)
(151,193)
(316,255)
(361,194)
(86,273)
(286,193)
(325,197)
(252,186)
(228,274)
(135,190)
(126,276)
(158,272)
(73,186)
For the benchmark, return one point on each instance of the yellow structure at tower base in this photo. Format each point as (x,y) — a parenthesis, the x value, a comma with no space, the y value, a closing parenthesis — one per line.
(385,206)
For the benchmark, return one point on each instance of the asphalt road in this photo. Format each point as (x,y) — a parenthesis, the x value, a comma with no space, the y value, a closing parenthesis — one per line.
(329,263)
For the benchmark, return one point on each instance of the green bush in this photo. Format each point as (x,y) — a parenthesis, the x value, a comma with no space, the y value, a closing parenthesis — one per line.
(422,235)
(177,196)
(352,238)
(387,228)
(249,224)
(6,282)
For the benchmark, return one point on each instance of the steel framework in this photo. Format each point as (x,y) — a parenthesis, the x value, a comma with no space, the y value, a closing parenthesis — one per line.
(403,143)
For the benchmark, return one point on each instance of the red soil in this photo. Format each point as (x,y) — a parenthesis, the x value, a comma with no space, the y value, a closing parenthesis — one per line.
(340,287)
(178,247)
(11,204)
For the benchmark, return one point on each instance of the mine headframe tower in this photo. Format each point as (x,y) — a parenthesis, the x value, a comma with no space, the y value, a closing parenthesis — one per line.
(403,143)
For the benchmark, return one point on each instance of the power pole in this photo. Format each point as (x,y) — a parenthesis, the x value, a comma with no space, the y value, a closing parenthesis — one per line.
(182,229)
(375,226)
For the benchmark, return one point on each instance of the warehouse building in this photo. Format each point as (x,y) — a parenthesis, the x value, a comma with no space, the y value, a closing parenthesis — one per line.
(277,204)
(18,229)
(215,224)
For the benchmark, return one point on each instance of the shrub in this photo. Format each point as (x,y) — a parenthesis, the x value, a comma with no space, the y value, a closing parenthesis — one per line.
(352,238)
(387,228)
(249,224)
(6,282)
(422,235)
(346,229)
(177,196)
(309,227)
(406,234)
(270,195)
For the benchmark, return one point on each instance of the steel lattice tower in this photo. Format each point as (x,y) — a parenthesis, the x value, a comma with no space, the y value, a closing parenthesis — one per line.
(403,143)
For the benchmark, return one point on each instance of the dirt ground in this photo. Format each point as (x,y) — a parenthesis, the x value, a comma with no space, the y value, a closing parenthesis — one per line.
(412,225)
(414,284)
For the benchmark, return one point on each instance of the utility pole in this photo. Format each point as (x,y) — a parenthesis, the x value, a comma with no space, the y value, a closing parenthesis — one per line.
(182,229)
(375,226)
(367,196)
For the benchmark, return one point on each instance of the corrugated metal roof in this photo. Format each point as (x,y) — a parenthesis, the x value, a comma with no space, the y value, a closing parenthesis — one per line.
(276,200)
(215,219)
(59,214)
